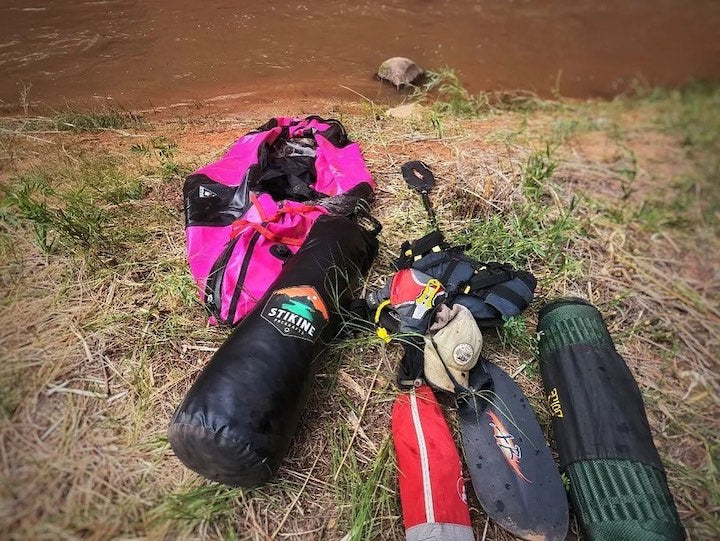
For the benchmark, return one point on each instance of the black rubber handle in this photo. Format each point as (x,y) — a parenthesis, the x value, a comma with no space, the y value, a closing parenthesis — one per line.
(420,178)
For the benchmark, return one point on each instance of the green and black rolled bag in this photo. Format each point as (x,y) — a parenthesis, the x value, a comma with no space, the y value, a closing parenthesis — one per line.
(617,481)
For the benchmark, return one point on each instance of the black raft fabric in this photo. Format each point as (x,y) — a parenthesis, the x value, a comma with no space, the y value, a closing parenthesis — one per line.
(208,202)
(236,422)
(597,408)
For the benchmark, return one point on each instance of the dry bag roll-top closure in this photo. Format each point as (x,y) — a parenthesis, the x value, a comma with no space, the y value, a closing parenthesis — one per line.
(249,212)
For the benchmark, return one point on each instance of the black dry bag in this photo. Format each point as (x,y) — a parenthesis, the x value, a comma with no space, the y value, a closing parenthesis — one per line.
(617,481)
(237,420)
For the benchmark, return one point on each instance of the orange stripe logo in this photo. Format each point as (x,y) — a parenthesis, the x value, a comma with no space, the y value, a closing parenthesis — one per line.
(308,293)
(511,451)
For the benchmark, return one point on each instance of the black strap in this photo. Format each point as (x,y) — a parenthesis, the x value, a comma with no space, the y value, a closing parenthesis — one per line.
(420,247)
(493,274)
(430,261)
(452,265)
(410,369)
(510,295)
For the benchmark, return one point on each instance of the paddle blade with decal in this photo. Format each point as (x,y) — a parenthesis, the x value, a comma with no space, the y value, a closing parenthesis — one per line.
(513,472)
(419,177)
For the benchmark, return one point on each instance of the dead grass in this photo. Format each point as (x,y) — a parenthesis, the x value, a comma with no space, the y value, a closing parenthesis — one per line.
(101,334)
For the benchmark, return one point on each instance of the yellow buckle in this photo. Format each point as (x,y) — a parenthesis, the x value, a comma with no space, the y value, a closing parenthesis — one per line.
(427,297)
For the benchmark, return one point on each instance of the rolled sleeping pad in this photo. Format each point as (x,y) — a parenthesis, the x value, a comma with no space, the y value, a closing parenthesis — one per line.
(617,481)
(236,422)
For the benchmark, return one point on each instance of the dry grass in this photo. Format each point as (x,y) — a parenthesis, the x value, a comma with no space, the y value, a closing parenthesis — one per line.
(101,335)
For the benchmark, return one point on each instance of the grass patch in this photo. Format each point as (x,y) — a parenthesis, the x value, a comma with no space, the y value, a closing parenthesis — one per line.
(208,502)
(72,121)
(76,208)
(447,94)
(365,492)
(538,171)
(94,122)
(162,151)
(173,286)
(518,334)
(532,236)
(691,114)
(536,232)
(692,111)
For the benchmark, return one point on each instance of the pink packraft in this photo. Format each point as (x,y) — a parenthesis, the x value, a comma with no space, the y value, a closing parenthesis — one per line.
(250,211)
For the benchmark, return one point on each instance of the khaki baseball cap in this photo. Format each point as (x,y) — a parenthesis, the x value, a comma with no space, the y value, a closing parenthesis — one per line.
(452,347)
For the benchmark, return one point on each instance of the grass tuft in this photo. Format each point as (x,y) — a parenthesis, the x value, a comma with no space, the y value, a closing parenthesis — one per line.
(538,171)
(76,208)
(366,492)
(72,121)
(529,238)
(445,90)
(94,122)
(205,503)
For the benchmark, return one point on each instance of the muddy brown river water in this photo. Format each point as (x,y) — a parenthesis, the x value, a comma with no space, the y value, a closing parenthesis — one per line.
(139,53)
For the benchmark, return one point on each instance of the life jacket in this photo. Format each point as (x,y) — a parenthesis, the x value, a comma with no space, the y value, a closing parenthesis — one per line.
(247,213)
(492,291)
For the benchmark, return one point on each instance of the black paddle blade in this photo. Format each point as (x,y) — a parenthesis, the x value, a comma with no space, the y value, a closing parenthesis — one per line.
(418,176)
(513,473)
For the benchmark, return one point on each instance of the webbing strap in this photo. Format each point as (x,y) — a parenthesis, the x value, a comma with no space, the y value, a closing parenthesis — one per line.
(256,203)
(511,296)
(301,209)
(490,277)
(411,252)
(295,209)
(239,225)
(452,265)
(380,308)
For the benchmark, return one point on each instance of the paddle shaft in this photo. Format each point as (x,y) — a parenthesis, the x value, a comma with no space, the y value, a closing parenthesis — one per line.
(429,209)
